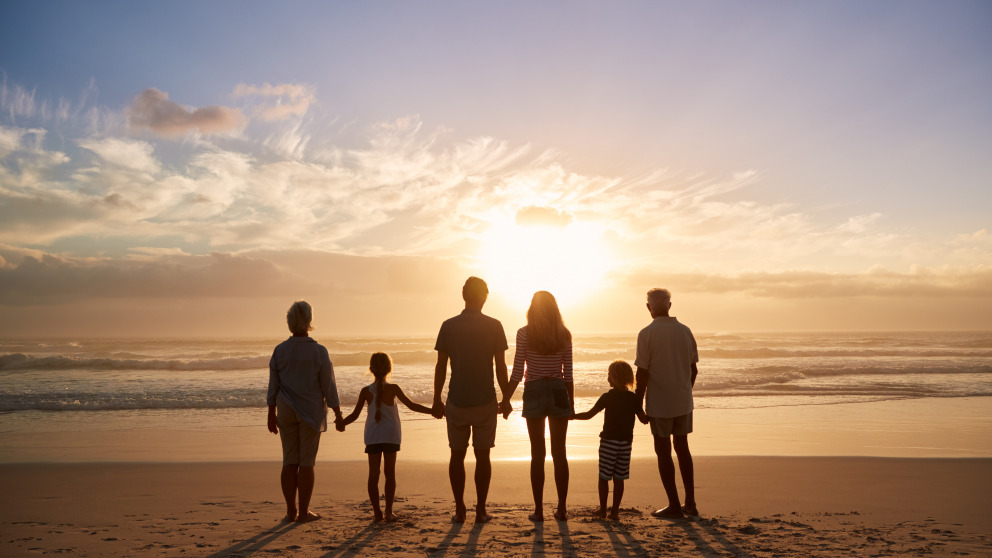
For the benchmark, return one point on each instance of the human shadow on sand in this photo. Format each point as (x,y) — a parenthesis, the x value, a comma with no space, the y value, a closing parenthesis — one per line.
(355,544)
(258,542)
(624,544)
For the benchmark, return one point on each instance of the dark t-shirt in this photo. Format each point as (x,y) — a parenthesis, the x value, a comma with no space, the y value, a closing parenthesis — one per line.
(471,340)
(621,408)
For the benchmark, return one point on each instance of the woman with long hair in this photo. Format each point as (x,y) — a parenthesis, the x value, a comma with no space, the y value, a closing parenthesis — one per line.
(543,359)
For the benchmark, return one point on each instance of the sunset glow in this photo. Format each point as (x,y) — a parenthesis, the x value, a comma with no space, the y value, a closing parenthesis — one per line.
(778,168)
(569,261)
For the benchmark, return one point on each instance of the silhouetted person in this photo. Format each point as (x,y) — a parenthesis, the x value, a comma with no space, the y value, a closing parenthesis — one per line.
(301,388)
(543,360)
(617,437)
(666,371)
(473,343)
(382,430)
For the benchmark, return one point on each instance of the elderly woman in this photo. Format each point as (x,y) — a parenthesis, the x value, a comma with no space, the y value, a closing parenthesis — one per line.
(301,388)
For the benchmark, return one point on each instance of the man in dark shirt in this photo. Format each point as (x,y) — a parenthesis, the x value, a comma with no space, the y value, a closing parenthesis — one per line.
(473,342)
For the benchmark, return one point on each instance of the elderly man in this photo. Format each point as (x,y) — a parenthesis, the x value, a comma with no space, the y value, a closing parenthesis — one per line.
(473,343)
(666,372)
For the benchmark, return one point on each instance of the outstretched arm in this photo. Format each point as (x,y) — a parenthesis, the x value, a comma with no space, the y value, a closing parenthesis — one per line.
(599,406)
(410,404)
(363,398)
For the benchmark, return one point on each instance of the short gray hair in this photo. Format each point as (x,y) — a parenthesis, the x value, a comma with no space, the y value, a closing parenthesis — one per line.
(659,298)
(299,316)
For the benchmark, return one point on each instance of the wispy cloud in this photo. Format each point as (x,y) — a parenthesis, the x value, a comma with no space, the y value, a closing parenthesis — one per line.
(278,102)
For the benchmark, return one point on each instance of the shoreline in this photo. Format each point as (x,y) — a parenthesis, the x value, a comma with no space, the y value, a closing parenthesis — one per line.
(908,428)
(749,505)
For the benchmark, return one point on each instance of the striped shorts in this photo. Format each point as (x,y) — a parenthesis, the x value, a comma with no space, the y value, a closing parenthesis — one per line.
(614,459)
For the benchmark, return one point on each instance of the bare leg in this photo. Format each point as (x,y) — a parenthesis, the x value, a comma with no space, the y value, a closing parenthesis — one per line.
(288,481)
(681,444)
(375,458)
(666,467)
(483,475)
(559,428)
(305,481)
(456,474)
(390,469)
(604,491)
(617,497)
(535,430)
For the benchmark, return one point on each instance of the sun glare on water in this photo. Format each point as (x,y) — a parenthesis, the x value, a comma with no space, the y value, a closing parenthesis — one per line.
(569,261)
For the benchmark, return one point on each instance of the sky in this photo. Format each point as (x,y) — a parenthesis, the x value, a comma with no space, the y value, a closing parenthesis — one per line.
(190,169)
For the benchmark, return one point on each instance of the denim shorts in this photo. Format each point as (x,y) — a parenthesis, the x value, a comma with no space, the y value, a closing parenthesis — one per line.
(546,397)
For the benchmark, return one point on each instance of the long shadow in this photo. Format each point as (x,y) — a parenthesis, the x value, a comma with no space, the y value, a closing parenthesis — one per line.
(354,544)
(539,547)
(632,546)
(473,540)
(567,546)
(258,542)
(445,544)
(716,534)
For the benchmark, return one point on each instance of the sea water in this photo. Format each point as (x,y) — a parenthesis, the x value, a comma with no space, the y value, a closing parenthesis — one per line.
(735,371)
(87,385)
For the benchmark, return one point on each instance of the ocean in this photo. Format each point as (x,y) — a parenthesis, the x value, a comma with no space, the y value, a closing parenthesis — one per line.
(65,400)
(735,370)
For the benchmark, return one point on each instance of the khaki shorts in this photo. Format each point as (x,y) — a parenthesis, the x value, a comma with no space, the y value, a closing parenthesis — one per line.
(479,421)
(672,426)
(299,440)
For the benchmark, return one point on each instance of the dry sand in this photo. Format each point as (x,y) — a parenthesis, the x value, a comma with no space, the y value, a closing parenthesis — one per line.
(751,506)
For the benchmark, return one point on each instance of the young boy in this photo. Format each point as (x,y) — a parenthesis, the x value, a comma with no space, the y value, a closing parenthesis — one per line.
(621,405)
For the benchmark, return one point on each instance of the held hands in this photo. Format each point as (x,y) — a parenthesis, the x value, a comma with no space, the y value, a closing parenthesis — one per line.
(339,423)
(437,411)
(504,408)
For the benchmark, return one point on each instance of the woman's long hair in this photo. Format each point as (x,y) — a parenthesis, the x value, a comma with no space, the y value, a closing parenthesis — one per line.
(546,331)
(380,365)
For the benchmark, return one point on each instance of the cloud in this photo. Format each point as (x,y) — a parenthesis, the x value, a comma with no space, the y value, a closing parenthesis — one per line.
(30,277)
(135,155)
(287,100)
(152,109)
(941,282)
(549,216)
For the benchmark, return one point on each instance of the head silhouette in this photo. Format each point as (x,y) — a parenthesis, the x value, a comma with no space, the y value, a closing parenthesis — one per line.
(299,316)
(546,331)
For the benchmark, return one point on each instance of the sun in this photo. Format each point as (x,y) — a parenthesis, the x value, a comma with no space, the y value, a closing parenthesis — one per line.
(568,260)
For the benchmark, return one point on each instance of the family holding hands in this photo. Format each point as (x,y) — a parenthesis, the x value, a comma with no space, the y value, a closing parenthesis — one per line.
(473,345)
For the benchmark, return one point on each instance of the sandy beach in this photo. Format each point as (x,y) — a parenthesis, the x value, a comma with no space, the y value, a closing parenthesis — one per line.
(750,506)
(770,482)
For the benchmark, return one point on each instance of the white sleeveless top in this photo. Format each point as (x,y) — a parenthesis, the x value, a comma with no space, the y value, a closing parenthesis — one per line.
(387,430)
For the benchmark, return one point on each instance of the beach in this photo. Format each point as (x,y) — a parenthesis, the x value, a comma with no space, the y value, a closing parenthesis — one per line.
(169,492)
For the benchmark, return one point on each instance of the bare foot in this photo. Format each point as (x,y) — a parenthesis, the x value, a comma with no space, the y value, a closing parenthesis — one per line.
(460,513)
(290,516)
(561,515)
(391,517)
(377,516)
(307,517)
(482,517)
(690,509)
(536,517)
(600,513)
(614,515)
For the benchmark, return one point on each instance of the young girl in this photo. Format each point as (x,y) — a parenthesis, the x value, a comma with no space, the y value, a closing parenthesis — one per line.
(621,406)
(382,429)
